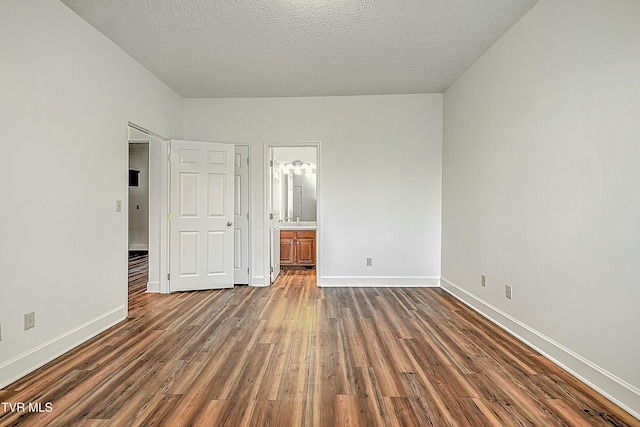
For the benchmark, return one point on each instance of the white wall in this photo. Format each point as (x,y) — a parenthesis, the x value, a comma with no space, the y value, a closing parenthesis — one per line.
(379,173)
(139,198)
(541,187)
(67,94)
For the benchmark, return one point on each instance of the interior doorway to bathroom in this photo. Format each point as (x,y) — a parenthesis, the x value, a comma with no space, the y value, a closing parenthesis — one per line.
(292,195)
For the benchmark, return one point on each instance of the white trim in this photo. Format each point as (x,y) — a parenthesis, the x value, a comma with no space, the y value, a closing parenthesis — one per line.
(153,287)
(319,220)
(138,247)
(257,281)
(124,211)
(42,354)
(249,238)
(607,384)
(147,132)
(165,228)
(266,238)
(163,250)
(379,281)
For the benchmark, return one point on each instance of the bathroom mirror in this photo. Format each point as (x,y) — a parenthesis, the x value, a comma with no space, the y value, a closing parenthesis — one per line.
(298,171)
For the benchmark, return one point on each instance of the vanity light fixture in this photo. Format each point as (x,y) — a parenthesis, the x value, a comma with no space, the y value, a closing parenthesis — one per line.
(298,167)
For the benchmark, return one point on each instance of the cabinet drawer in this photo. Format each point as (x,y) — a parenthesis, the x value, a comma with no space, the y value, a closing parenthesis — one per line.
(286,234)
(309,234)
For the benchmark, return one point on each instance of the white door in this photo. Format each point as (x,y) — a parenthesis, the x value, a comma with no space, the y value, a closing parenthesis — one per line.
(201,216)
(241,216)
(275,196)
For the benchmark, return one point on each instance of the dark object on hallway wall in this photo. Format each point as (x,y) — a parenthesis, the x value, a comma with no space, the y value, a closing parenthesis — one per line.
(133,177)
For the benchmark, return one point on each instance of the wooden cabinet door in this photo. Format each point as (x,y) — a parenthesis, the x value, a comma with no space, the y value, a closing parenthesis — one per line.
(305,248)
(287,250)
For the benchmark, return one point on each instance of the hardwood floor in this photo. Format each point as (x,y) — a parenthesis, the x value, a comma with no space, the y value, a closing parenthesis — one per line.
(138,274)
(297,355)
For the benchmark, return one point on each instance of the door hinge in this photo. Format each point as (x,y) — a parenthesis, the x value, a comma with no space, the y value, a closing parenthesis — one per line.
(271,163)
(247,161)
(270,269)
(247,215)
(270,216)
(168,276)
(247,270)
(168,217)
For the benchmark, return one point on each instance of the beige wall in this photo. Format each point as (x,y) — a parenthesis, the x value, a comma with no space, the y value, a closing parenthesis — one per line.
(541,187)
(379,177)
(67,94)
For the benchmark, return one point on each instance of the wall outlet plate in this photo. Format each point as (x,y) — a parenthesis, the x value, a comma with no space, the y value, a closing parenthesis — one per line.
(369,262)
(30,320)
(508,291)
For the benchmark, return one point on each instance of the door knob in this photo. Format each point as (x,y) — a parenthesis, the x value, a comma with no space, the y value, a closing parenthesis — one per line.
(229,223)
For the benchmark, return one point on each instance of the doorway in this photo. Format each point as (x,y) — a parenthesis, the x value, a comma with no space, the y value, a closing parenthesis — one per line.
(157,272)
(138,219)
(138,195)
(146,185)
(292,199)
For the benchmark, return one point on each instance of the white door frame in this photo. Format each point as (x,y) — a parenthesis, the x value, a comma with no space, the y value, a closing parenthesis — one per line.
(158,224)
(249,255)
(267,205)
(274,215)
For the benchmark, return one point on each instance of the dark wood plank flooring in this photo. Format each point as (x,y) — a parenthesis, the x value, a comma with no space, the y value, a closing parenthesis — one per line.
(297,355)
(138,274)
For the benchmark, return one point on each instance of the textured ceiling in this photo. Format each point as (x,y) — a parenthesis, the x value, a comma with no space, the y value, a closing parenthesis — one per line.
(266,48)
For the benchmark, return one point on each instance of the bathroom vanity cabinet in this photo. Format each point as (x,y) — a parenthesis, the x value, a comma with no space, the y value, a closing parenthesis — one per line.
(298,248)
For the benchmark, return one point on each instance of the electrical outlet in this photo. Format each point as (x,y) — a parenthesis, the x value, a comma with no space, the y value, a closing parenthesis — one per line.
(483,280)
(30,320)
(508,291)
(369,262)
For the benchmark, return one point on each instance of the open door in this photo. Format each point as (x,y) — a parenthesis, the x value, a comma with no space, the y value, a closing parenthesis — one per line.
(201,246)
(275,202)
(241,215)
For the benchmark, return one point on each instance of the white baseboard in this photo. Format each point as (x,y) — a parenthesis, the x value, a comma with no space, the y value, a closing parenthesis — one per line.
(258,281)
(613,388)
(378,281)
(138,247)
(31,360)
(153,287)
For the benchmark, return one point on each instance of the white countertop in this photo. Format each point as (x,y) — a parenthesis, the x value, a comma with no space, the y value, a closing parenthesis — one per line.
(302,225)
